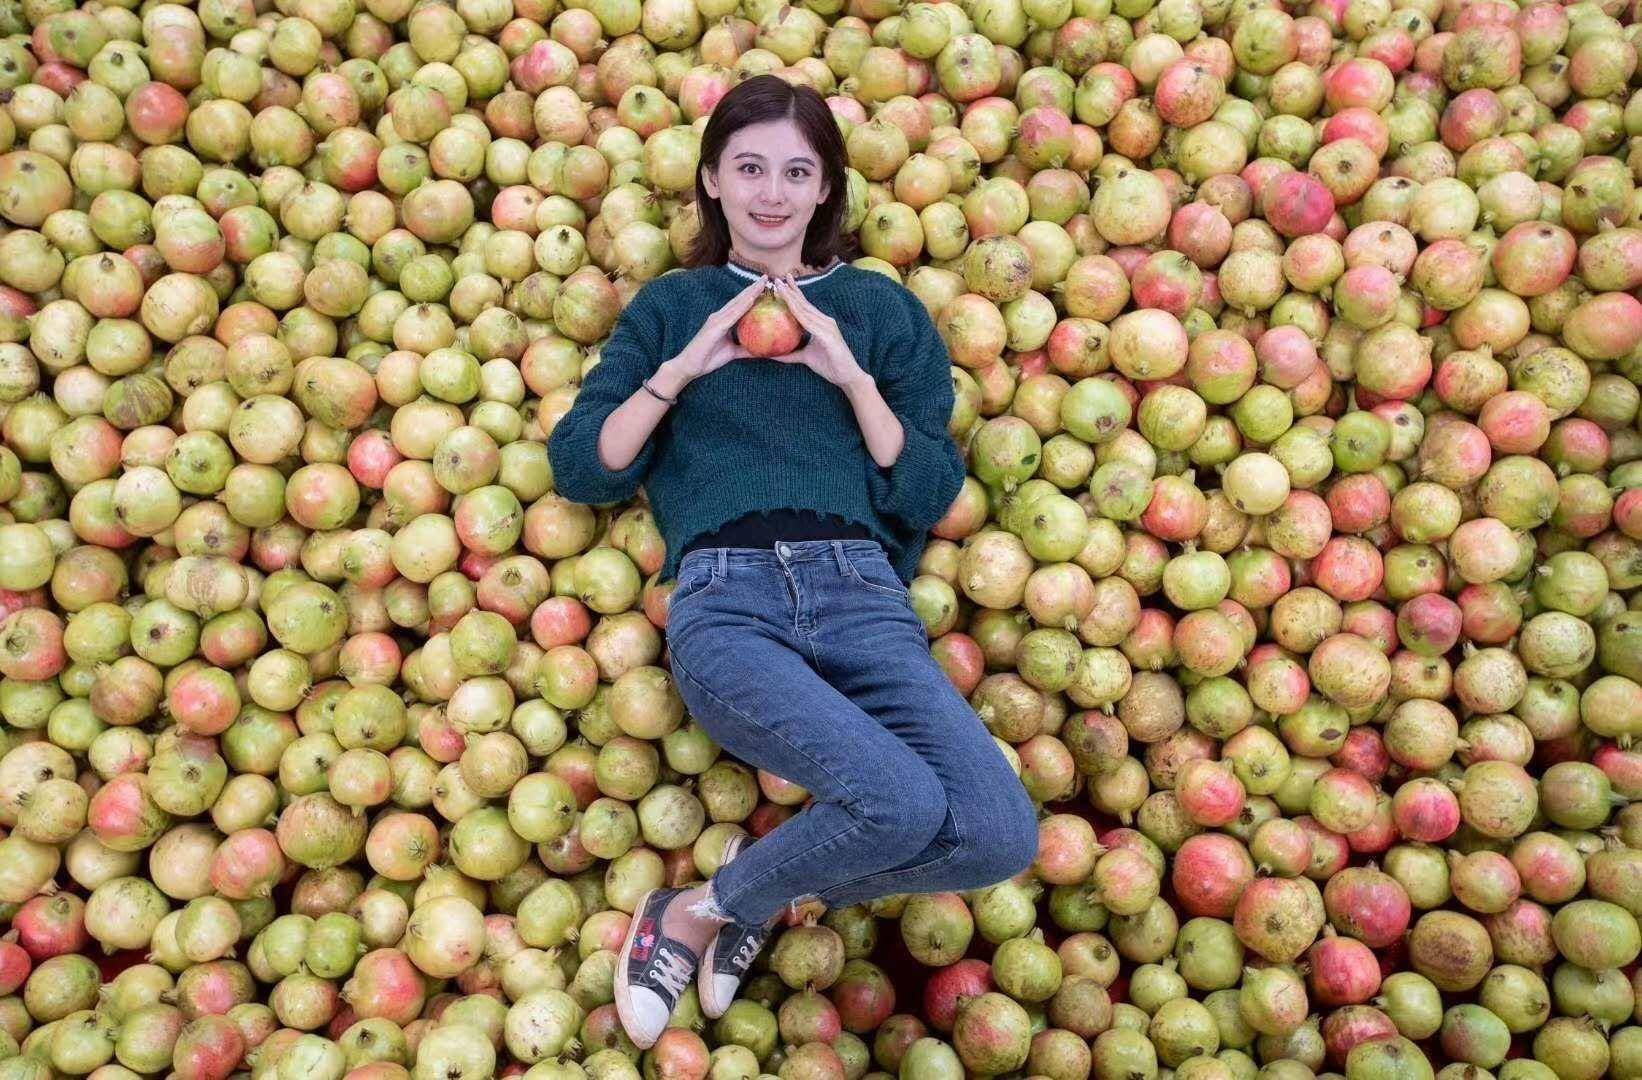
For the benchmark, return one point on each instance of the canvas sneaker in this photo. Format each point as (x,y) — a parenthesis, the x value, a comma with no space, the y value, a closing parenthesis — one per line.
(730,954)
(652,971)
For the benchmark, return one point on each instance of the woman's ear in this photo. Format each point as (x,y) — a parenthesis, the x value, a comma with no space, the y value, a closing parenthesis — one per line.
(709,180)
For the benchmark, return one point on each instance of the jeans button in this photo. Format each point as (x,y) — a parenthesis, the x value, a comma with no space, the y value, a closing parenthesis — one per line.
(783,549)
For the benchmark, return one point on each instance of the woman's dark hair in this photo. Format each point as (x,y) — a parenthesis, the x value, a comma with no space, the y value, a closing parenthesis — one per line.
(760,99)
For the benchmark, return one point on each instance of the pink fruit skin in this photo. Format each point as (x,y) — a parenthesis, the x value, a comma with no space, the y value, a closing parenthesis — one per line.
(1210,871)
(50,926)
(1330,851)
(118,808)
(1211,794)
(1516,422)
(199,709)
(1393,47)
(1357,84)
(1176,513)
(33,645)
(1343,971)
(1268,900)
(1429,623)
(1372,287)
(1202,233)
(209,1049)
(15,965)
(1359,503)
(1129,258)
(1534,257)
(1428,815)
(951,985)
(217,987)
(1259,175)
(386,984)
(769,329)
(1526,928)
(1583,443)
(1369,905)
(248,863)
(1364,125)
(1623,767)
(1364,754)
(1345,1028)
(1155,285)
(1551,873)
(1378,835)
(1485,622)
(863,1004)
(371,456)
(1348,569)
(1287,356)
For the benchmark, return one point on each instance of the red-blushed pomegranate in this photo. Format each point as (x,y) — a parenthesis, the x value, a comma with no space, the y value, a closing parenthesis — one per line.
(1344,971)
(1278,917)
(1366,905)
(1209,873)
(769,328)
(947,990)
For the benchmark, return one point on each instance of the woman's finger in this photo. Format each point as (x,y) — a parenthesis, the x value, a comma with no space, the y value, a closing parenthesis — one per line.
(802,310)
(797,356)
(797,299)
(749,296)
(730,314)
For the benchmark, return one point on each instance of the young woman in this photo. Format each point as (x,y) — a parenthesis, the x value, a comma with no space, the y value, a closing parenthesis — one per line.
(794,495)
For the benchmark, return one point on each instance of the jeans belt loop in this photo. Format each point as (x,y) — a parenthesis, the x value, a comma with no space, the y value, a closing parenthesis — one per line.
(840,555)
(723,562)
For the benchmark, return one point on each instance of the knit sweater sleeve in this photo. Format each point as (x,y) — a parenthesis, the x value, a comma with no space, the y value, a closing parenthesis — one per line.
(629,356)
(915,378)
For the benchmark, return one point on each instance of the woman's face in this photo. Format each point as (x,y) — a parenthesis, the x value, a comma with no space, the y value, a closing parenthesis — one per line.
(768,182)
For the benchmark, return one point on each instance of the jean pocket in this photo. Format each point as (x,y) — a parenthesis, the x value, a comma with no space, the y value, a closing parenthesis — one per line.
(693,580)
(877,575)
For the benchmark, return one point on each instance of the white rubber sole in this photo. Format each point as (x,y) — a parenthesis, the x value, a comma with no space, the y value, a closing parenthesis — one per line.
(711,1008)
(624,1000)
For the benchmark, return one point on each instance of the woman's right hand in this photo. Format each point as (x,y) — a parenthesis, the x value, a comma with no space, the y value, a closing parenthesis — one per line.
(713,346)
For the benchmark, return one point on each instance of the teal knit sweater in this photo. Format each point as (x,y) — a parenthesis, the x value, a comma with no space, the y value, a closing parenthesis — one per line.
(761,435)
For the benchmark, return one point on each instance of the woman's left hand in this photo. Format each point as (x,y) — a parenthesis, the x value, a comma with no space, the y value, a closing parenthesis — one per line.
(825,353)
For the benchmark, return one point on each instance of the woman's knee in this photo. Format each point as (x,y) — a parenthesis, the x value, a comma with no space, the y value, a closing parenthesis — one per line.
(907,816)
(1001,843)
(1019,836)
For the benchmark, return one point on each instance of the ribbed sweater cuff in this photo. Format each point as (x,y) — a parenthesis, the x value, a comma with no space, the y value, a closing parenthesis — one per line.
(587,481)
(912,486)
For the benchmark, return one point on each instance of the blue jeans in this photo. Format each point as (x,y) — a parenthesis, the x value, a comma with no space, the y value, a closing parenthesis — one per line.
(807,660)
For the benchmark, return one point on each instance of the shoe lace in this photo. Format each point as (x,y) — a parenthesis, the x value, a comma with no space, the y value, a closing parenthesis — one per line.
(747,948)
(672,971)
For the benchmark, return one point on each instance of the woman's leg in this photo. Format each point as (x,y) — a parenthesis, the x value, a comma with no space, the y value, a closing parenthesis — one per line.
(877,654)
(877,803)
(990,830)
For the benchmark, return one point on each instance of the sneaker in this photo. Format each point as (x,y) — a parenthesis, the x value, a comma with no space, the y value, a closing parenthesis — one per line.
(730,954)
(652,971)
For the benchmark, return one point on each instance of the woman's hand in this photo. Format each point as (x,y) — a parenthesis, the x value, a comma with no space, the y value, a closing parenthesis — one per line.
(714,346)
(825,353)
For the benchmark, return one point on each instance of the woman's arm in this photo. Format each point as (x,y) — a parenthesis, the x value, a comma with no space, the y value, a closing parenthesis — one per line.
(602,448)
(880,427)
(914,395)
